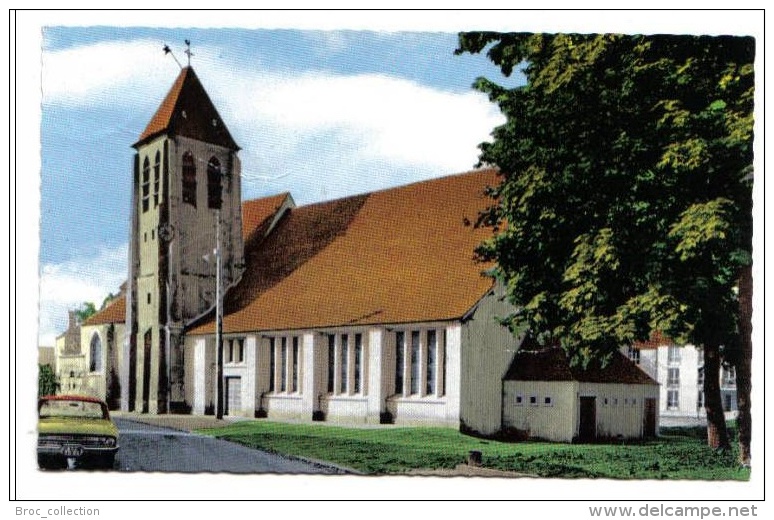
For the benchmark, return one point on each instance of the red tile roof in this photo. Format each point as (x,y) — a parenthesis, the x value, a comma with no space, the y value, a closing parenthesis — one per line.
(115,312)
(657,339)
(188,111)
(395,256)
(256,212)
(551,364)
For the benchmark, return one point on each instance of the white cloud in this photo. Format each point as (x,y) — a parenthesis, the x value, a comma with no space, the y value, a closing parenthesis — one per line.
(65,286)
(357,122)
(116,71)
(392,119)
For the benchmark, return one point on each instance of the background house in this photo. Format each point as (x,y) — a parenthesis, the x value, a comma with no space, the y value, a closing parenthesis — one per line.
(679,369)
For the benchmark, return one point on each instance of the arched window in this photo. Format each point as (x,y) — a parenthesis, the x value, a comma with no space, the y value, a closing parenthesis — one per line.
(145,185)
(95,354)
(214,189)
(189,179)
(156,179)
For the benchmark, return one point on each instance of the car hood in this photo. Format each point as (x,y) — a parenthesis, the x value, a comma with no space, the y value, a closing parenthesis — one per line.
(76,426)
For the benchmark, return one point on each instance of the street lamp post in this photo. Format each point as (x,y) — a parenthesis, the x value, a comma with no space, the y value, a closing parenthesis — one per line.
(218,317)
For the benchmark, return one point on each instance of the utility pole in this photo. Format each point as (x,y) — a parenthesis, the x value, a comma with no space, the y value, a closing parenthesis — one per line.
(218,316)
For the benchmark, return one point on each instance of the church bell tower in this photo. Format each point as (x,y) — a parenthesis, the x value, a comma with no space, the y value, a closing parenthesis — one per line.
(186,189)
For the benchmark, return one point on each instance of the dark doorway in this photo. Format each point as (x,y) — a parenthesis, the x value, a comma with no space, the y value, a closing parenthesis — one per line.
(146,369)
(132,372)
(649,418)
(587,429)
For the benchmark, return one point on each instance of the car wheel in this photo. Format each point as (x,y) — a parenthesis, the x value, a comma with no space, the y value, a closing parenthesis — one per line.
(47,462)
(107,461)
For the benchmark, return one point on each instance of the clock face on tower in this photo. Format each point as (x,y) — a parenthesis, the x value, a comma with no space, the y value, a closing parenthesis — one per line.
(166,232)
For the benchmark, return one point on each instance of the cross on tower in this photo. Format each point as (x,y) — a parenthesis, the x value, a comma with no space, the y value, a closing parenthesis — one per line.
(188,51)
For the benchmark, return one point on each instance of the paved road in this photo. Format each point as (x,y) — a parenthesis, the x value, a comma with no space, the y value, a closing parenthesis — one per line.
(153,448)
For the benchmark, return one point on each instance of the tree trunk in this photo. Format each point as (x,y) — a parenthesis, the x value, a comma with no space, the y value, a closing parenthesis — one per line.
(717,434)
(743,365)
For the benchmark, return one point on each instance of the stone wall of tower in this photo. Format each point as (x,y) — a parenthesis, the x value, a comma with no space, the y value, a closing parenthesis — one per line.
(192,263)
(150,333)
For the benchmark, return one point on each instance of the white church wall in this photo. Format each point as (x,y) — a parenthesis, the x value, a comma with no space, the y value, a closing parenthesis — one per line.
(487,351)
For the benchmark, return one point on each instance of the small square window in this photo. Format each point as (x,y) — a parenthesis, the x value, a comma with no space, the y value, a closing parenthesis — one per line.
(519,400)
(533,400)
(547,401)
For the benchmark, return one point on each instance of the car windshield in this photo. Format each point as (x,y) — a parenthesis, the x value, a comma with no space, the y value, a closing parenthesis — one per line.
(71,408)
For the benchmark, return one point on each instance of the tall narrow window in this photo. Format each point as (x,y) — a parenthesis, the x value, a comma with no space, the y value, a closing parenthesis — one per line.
(272,364)
(344,362)
(415,374)
(358,363)
(634,354)
(295,364)
(156,179)
(432,345)
(214,189)
(145,185)
(331,362)
(673,377)
(189,179)
(673,354)
(443,364)
(95,354)
(284,365)
(400,344)
(673,399)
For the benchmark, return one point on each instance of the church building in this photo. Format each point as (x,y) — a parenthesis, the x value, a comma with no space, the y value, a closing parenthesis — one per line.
(366,309)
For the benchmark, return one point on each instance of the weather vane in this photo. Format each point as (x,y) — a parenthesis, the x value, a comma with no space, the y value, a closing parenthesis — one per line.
(187,52)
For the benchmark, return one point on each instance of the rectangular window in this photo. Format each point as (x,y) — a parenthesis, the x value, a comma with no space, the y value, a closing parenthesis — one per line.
(547,401)
(344,362)
(700,400)
(443,364)
(728,376)
(673,377)
(284,365)
(634,355)
(400,345)
(728,402)
(272,364)
(533,400)
(295,364)
(519,400)
(673,400)
(432,345)
(673,354)
(358,362)
(700,377)
(415,374)
(331,362)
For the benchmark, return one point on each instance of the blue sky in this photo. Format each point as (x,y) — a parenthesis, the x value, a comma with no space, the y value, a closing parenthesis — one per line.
(322,114)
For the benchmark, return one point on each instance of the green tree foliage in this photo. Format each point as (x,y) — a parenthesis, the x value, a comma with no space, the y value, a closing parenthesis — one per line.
(86,310)
(625,204)
(47,384)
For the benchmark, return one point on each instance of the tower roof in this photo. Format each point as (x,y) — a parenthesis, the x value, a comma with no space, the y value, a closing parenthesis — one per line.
(188,111)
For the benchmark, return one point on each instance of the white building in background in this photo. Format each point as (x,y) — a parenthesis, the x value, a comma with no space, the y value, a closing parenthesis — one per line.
(680,372)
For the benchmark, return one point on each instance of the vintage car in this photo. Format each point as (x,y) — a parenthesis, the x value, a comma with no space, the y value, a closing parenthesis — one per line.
(75,431)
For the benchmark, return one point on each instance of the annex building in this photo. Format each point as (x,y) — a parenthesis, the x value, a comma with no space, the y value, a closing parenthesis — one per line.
(365,309)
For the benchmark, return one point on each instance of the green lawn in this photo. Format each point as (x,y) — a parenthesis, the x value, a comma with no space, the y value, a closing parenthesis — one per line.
(677,454)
